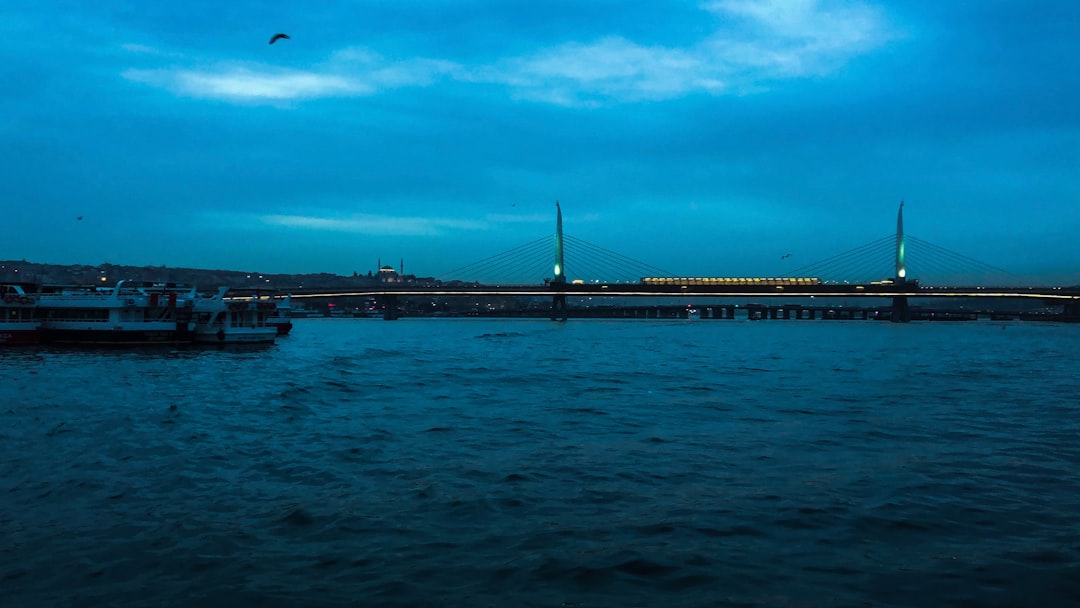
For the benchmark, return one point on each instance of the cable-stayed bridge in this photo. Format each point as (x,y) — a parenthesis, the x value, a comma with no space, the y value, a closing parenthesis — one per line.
(523,265)
(886,270)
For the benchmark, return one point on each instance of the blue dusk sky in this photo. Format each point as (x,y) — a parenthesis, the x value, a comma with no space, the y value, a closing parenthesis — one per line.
(703,137)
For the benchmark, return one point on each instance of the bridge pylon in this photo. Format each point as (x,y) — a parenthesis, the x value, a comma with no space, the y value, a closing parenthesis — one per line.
(900,311)
(558,300)
(1071,310)
(901,271)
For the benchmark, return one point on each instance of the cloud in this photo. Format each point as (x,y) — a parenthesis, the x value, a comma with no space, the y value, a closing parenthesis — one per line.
(243,83)
(756,41)
(134,48)
(140,48)
(364,65)
(611,68)
(752,43)
(260,84)
(350,73)
(366,223)
(843,26)
(374,224)
(792,38)
(505,218)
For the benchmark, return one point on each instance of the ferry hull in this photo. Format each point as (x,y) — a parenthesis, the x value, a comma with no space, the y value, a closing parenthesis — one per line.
(233,335)
(19,336)
(283,326)
(116,337)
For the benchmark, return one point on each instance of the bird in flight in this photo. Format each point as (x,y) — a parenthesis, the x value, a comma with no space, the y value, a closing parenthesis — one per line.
(277,37)
(80,218)
(785,256)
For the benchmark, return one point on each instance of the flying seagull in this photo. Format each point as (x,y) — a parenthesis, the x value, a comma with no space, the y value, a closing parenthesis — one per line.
(785,256)
(277,37)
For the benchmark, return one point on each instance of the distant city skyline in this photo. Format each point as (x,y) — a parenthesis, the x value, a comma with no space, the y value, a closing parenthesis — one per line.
(721,137)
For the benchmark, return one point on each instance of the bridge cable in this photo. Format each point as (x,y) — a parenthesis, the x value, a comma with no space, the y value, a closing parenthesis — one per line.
(618,260)
(480,263)
(840,258)
(509,267)
(952,255)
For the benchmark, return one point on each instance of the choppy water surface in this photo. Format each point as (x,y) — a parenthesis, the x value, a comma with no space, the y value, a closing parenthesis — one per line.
(531,463)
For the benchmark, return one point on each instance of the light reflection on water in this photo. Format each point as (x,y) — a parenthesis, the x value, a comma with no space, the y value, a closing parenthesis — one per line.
(534,463)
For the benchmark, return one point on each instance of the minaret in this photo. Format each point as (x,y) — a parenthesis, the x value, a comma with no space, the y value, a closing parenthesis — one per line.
(901,272)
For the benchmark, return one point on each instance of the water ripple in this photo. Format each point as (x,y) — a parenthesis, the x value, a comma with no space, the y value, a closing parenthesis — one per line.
(535,464)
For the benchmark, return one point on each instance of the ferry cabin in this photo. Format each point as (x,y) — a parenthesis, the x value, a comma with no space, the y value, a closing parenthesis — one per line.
(18,322)
(118,315)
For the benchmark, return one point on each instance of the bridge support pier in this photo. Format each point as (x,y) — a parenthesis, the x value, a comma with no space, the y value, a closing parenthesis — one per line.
(558,307)
(390,313)
(900,311)
(1071,310)
(720,312)
(779,313)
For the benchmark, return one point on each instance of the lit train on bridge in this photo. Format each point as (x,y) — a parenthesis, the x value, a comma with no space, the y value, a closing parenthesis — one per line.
(731,281)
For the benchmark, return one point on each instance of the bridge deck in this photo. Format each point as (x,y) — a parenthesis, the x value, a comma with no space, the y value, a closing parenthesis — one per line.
(641,290)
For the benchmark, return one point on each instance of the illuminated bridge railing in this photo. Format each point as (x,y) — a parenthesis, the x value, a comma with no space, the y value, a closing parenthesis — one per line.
(732,281)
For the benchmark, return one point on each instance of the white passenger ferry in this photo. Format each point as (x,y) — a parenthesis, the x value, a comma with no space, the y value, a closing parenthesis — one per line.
(122,315)
(234,321)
